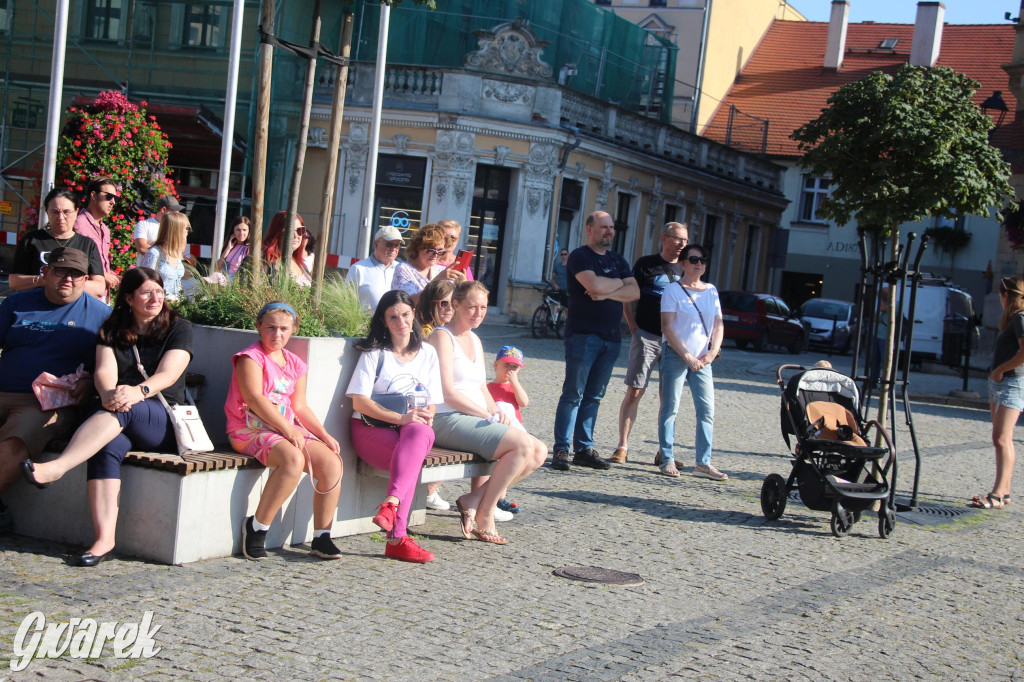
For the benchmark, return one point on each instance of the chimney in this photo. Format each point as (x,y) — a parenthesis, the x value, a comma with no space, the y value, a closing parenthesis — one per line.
(837,34)
(924,51)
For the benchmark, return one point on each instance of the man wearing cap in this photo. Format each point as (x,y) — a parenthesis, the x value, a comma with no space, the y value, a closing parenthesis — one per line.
(146,231)
(373,275)
(49,329)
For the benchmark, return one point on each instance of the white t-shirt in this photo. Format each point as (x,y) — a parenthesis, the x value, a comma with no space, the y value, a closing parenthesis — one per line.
(687,322)
(469,376)
(397,377)
(147,229)
(372,280)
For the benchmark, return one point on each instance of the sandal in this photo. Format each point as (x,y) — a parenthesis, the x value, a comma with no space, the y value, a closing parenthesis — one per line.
(467,518)
(488,536)
(1006,500)
(990,501)
(709,472)
(669,470)
(619,456)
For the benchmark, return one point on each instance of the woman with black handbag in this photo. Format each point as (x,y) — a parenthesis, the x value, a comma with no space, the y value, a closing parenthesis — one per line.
(131,415)
(395,390)
(692,331)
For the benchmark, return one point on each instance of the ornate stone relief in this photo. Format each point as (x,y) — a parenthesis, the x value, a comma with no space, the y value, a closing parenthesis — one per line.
(454,165)
(317,137)
(512,49)
(500,155)
(577,172)
(604,187)
(508,93)
(401,143)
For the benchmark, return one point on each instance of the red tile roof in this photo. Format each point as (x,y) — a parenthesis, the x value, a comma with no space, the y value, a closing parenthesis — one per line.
(785,80)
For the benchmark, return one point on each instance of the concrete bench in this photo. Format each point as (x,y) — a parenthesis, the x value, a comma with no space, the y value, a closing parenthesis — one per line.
(177,510)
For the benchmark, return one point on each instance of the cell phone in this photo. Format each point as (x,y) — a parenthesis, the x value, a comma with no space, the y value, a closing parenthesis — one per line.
(462,260)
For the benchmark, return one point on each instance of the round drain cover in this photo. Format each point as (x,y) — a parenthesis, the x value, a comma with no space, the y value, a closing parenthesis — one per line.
(595,574)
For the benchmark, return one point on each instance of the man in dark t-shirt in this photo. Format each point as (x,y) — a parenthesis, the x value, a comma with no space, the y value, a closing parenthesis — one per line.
(652,273)
(600,281)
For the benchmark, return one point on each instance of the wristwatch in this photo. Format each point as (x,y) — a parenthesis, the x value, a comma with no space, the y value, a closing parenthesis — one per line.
(145,390)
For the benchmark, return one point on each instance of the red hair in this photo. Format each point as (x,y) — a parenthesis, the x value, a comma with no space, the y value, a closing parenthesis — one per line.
(272,242)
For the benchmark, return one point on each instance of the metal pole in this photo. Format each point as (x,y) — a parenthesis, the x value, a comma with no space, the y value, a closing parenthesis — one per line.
(60,37)
(334,138)
(227,143)
(262,132)
(695,111)
(371,159)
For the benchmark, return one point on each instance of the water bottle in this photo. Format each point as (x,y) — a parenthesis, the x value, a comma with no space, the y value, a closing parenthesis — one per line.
(417,399)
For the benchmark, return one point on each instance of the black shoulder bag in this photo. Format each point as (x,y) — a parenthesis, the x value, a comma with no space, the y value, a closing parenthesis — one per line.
(702,322)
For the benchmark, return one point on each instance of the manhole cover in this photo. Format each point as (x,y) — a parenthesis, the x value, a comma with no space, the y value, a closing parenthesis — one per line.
(934,514)
(595,574)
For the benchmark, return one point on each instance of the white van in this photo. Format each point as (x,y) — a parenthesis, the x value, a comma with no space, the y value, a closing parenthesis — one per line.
(942,316)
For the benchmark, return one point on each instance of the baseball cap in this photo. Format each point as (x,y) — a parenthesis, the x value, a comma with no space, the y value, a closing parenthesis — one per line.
(511,354)
(389,233)
(169,202)
(66,257)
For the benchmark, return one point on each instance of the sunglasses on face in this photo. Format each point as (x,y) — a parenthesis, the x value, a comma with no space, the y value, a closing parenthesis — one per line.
(107,196)
(437,252)
(392,245)
(57,213)
(702,260)
(444,305)
(63,273)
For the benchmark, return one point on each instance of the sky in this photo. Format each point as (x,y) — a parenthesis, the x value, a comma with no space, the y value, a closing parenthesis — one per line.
(904,11)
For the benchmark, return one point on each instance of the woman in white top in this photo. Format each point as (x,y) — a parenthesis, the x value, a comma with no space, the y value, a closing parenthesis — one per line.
(468,420)
(424,252)
(167,253)
(395,360)
(692,330)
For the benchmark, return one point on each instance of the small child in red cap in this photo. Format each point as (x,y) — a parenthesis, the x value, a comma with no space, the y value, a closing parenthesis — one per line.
(509,396)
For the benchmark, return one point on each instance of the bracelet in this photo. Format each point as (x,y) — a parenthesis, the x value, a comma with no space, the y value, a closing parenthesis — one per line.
(35,281)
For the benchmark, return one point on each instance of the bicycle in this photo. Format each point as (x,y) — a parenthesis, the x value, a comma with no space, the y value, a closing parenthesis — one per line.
(549,317)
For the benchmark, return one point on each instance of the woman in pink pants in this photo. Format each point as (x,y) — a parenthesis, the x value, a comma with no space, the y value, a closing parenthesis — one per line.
(395,360)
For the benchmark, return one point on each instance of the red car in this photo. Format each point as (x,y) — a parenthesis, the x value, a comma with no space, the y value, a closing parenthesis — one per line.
(761,319)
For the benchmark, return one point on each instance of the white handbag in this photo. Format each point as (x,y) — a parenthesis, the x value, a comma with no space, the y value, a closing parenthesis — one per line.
(189,431)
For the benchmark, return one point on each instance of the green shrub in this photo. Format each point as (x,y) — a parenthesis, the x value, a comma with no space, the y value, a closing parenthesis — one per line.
(236,305)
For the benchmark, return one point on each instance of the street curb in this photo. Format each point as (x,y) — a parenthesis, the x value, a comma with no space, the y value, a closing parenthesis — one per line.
(974,403)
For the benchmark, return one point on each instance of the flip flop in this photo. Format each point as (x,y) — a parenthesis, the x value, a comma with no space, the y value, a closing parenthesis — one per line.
(990,501)
(465,515)
(669,470)
(488,536)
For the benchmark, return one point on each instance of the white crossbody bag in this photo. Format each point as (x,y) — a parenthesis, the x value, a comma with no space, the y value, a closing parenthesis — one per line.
(189,431)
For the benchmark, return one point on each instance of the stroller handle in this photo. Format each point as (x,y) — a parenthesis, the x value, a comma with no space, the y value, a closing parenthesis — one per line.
(782,368)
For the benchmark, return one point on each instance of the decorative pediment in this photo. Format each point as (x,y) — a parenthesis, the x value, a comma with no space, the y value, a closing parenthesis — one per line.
(511,49)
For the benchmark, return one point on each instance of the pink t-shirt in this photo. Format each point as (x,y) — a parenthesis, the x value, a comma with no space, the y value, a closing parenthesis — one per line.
(278,384)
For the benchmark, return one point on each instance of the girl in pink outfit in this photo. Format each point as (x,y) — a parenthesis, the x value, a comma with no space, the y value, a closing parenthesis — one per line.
(268,418)
(395,360)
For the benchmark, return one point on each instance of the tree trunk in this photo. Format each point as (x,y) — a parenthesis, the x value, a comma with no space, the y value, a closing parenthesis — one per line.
(891,343)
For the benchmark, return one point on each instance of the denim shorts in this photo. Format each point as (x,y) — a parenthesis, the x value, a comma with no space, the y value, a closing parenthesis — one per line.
(1009,392)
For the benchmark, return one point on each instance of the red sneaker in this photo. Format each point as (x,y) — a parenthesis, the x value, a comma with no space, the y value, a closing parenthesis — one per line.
(385,517)
(407,550)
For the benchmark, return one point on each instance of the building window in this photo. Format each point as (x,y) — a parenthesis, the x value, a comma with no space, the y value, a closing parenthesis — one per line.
(814,190)
(203,25)
(622,208)
(104,19)
(603,2)
(5,16)
(658,3)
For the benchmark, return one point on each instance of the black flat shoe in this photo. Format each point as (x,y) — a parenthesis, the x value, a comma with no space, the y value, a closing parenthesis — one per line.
(89,560)
(28,470)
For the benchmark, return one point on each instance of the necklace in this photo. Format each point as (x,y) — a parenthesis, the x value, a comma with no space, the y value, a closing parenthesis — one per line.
(58,240)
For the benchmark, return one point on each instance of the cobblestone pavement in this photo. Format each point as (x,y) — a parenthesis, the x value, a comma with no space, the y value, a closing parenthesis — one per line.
(727,595)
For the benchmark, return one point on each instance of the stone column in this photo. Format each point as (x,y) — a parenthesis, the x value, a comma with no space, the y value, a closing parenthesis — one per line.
(345,241)
(528,243)
(453,173)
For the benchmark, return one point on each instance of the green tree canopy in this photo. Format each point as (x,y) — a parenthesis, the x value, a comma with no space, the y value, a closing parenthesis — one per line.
(902,147)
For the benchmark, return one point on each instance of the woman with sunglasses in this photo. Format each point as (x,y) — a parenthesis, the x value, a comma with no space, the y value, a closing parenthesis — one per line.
(101,196)
(692,331)
(272,248)
(435,310)
(1005,389)
(167,253)
(453,232)
(423,262)
(27,270)
(141,326)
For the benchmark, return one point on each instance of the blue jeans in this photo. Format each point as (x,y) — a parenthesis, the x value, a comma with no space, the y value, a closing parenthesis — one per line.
(589,360)
(674,373)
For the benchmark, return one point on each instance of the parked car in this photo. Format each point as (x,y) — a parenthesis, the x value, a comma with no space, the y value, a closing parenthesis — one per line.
(829,323)
(944,320)
(761,319)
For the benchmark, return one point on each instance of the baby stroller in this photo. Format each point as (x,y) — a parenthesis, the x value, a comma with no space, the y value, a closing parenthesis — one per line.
(834,467)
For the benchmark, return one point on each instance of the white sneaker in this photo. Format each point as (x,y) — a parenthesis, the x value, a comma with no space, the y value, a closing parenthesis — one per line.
(502,515)
(436,503)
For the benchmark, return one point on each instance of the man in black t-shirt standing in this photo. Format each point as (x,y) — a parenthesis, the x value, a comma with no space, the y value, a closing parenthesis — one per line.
(600,281)
(652,274)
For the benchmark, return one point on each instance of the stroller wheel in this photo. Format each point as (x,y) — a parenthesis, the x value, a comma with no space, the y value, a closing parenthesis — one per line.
(886,523)
(842,521)
(773,496)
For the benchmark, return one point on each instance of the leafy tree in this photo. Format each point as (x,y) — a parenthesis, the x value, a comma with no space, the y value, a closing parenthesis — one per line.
(899,148)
